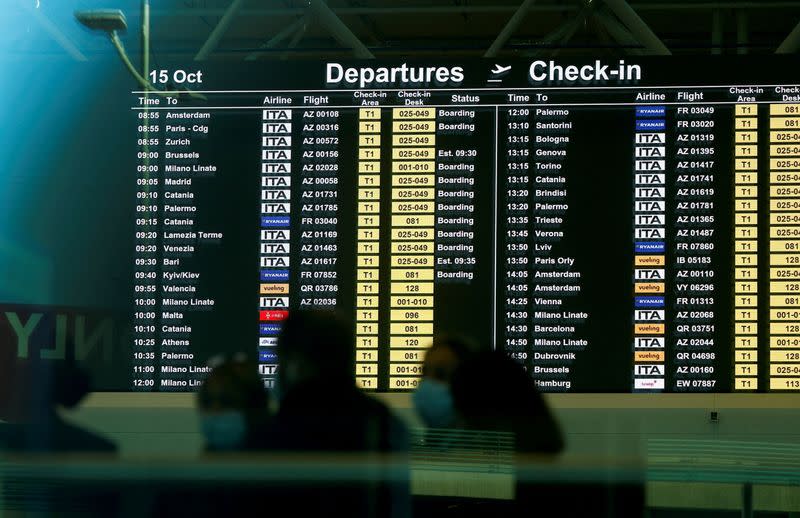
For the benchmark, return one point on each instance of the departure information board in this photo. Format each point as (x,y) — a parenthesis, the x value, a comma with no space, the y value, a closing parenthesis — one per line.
(615,225)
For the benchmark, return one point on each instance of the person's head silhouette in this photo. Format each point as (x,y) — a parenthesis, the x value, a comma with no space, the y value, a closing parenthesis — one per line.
(314,346)
(232,403)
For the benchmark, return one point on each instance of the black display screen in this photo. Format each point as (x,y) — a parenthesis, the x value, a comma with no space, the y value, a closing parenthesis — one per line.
(613,225)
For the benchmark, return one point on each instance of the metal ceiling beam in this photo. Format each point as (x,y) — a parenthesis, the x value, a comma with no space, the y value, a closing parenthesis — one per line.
(572,26)
(273,42)
(560,34)
(301,31)
(509,29)
(219,31)
(475,9)
(368,27)
(742,32)
(791,43)
(670,6)
(563,33)
(716,32)
(638,27)
(619,33)
(339,30)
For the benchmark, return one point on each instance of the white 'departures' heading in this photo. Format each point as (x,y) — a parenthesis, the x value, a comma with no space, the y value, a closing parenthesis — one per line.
(552,72)
(365,76)
(540,71)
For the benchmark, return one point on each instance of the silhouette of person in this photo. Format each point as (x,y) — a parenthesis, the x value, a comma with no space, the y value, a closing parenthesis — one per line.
(233,412)
(433,399)
(493,392)
(322,410)
(316,387)
(40,389)
(232,403)
(37,391)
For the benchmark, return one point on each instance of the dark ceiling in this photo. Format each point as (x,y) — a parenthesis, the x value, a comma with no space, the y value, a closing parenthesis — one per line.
(239,29)
(469,27)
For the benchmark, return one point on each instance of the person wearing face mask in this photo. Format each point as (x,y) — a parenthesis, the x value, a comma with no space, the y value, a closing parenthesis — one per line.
(315,388)
(233,411)
(233,406)
(320,409)
(433,400)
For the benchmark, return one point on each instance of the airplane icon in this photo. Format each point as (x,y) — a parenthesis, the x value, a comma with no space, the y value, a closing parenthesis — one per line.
(500,69)
(498,72)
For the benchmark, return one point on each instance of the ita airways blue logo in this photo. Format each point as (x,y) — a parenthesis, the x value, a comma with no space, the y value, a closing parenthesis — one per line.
(645,247)
(269,329)
(274,221)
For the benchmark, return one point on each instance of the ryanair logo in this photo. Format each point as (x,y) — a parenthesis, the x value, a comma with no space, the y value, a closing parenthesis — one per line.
(269,329)
(274,275)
